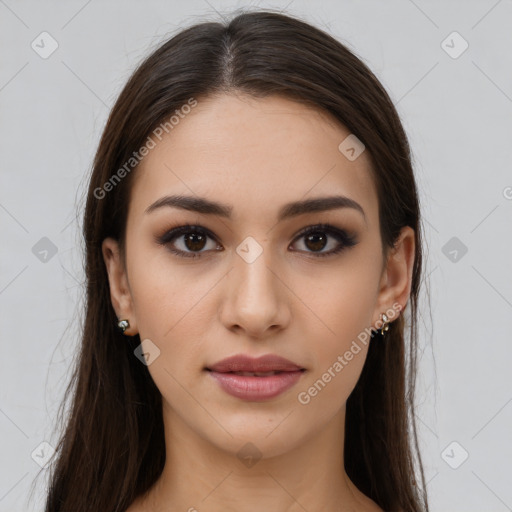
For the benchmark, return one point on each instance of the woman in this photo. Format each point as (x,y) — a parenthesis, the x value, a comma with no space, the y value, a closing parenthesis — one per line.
(253,242)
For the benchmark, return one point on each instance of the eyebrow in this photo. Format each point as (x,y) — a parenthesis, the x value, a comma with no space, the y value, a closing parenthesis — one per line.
(287,211)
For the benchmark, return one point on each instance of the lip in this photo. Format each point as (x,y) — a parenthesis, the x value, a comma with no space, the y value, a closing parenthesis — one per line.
(255,388)
(244,363)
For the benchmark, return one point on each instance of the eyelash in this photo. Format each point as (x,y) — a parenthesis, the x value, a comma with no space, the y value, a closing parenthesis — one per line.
(345,239)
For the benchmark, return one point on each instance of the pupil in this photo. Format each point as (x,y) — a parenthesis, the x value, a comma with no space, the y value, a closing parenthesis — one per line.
(318,241)
(195,241)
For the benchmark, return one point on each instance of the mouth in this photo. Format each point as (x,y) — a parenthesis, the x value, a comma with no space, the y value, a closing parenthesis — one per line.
(255,379)
(256,386)
(251,366)
(258,374)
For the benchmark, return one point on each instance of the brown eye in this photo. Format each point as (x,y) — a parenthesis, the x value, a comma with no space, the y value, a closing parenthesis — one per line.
(191,241)
(188,241)
(316,238)
(316,241)
(194,241)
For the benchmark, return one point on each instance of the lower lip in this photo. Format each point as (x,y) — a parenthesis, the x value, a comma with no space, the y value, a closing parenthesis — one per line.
(256,388)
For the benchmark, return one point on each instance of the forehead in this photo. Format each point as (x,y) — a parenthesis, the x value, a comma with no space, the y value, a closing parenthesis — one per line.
(254,154)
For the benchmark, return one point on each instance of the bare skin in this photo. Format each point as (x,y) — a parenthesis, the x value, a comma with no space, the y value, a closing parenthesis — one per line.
(255,155)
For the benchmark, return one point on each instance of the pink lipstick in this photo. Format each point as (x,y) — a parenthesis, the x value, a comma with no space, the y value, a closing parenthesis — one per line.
(255,379)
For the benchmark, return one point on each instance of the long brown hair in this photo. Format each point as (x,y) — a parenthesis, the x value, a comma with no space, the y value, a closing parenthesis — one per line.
(112,448)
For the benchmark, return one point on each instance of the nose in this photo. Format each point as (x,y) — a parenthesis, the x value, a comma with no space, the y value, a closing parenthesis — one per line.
(255,298)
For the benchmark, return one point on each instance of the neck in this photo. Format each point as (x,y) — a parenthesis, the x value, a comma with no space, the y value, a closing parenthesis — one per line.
(201,476)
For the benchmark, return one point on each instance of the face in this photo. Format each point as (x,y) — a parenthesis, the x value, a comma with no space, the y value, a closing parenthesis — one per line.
(255,277)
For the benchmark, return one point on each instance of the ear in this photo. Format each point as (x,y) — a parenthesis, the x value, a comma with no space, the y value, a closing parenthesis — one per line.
(395,285)
(120,293)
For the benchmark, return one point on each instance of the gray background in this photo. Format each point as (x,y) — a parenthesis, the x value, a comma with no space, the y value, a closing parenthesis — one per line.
(457,110)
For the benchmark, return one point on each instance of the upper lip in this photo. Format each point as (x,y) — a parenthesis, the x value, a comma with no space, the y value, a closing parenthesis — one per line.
(244,363)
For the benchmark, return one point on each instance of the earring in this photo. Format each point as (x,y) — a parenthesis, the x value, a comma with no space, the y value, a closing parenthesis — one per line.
(385,324)
(384,328)
(123,325)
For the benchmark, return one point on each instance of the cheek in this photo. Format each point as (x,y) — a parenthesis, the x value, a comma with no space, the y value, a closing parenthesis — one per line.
(338,358)
(343,307)
(166,297)
(170,306)
(342,303)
